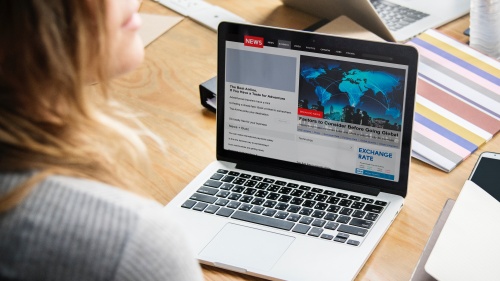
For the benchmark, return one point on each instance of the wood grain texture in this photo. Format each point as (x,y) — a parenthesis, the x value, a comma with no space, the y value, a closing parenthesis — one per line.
(164,92)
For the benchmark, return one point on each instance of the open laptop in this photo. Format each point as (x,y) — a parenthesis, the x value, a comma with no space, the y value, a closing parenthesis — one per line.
(313,153)
(393,20)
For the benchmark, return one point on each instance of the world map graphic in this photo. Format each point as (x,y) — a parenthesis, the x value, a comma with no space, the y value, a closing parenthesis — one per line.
(333,85)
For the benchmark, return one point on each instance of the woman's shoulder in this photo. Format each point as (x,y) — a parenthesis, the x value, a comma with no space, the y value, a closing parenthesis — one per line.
(83,222)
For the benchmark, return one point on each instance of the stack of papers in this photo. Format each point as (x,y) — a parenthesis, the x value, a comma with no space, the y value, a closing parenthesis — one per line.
(458,100)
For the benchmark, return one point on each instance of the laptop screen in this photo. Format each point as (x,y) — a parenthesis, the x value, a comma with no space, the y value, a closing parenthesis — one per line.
(315,101)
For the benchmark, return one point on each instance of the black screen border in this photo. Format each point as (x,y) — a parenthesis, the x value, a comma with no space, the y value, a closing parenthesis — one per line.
(402,54)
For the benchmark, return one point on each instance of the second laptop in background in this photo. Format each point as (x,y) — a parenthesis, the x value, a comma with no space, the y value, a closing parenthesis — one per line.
(393,20)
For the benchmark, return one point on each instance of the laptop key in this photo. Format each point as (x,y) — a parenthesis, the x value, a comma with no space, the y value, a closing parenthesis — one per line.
(343,219)
(333,209)
(216,176)
(274,188)
(222,202)
(352,230)
(226,186)
(293,209)
(245,207)
(200,206)
(331,216)
(281,206)
(293,217)
(346,211)
(250,191)
(318,222)
(269,212)
(223,193)
(353,242)
(224,212)
(188,204)
(300,228)
(327,236)
(297,192)
(321,206)
(273,196)
(306,220)
(357,205)
(270,204)
(267,180)
(345,202)
(212,209)
(281,215)
(212,183)
(261,193)
(342,195)
(296,201)
(258,201)
(207,190)
(331,225)
(367,200)
(227,179)
(361,223)
(263,220)
(204,198)
(234,196)
(359,214)
(285,198)
(315,231)
(238,188)
(309,203)
(318,214)
(373,208)
(246,198)
(371,216)
(233,204)
(257,209)
(304,187)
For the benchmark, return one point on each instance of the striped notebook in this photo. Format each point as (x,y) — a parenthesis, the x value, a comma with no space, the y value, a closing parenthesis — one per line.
(458,100)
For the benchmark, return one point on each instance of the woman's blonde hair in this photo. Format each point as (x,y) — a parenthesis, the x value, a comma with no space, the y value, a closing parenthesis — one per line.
(50,121)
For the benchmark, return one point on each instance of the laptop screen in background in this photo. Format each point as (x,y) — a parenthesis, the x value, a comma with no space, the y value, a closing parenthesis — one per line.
(310,104)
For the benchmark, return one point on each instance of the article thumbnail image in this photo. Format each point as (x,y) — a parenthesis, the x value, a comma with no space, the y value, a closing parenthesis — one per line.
(351,92)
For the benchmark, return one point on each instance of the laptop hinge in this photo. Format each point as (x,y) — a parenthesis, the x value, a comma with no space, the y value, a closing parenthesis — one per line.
(284,173)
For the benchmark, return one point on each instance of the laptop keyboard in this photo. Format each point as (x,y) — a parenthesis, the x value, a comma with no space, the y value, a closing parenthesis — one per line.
(396,16)
(288,206)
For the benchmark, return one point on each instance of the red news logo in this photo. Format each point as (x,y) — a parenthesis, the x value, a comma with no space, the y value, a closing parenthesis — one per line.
(253,41)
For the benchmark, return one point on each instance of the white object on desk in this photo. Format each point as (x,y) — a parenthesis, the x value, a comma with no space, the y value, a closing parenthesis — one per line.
(468,247)
(184,7)
(213,15)
(202,12)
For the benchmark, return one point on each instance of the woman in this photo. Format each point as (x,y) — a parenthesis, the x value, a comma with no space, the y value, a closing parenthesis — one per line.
(68,154)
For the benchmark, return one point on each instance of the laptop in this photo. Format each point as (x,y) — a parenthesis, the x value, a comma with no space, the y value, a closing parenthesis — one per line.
(313,153)
(393,20)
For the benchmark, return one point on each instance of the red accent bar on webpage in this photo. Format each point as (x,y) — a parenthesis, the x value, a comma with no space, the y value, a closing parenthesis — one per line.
(253,41)
(310,113)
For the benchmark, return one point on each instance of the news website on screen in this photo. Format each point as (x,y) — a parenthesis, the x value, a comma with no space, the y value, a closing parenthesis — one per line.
(315,106)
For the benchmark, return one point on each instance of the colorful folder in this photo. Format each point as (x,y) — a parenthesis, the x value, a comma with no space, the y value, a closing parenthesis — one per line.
(458,100)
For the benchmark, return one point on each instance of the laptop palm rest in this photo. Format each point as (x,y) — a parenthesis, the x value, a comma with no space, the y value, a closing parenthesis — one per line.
(246,248)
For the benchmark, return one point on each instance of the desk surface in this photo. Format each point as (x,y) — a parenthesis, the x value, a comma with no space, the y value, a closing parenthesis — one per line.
(165,90)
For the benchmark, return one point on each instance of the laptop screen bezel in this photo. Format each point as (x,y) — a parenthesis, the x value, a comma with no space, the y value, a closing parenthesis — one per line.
(403,52)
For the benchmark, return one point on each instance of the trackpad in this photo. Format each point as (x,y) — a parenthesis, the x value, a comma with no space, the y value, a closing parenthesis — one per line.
(246,247)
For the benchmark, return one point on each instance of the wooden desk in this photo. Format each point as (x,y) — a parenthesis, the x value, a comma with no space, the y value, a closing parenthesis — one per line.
(165,90)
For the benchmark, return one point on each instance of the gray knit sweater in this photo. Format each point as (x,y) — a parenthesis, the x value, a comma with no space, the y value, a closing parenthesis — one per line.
(75,229)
